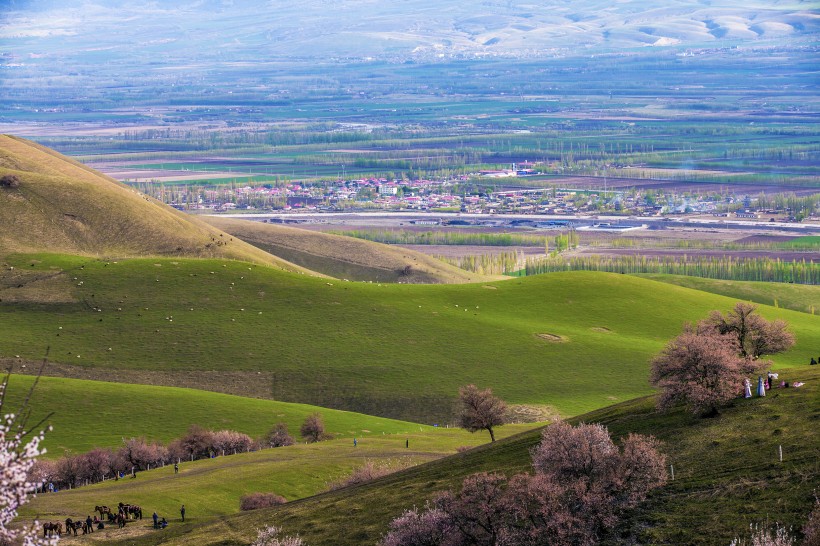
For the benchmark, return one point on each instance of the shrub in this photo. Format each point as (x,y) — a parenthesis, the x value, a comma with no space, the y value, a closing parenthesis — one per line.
(269,536)
(279,436)
(413,528)
(367,472)
(811,531)
(254,501)
(761,536)
(9,181)
(313,429)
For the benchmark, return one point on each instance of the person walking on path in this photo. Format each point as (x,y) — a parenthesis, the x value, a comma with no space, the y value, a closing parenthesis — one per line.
(407,443)
(182,512)
(155,517)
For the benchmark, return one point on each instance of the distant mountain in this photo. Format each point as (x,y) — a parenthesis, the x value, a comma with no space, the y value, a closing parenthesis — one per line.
(160,32)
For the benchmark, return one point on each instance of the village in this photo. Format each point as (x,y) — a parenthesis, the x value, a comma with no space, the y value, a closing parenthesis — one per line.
(473,195)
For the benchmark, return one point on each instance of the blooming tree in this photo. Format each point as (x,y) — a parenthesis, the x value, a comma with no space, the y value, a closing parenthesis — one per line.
(582,484)
(701,368)
(270,536)
(19,449)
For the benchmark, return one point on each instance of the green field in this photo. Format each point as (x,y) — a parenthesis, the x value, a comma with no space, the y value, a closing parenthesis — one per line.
(572,341)
(727,476)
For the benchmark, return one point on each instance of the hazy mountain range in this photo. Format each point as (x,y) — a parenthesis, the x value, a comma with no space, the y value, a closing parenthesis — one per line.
(423,30)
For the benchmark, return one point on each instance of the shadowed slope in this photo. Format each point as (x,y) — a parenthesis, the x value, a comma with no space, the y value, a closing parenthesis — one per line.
(727,475)
(63,206)
(344,257)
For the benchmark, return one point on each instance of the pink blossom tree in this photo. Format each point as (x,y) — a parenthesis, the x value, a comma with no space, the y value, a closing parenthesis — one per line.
(19,449)
(702,369)
(582,484)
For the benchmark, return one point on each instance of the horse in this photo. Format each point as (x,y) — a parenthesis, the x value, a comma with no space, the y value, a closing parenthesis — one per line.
(51,527)
(136,511)
(74,526)
(102,510)
(131,510)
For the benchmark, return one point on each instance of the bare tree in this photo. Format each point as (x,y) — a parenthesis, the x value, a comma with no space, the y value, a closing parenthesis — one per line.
(480,410)
(755,335)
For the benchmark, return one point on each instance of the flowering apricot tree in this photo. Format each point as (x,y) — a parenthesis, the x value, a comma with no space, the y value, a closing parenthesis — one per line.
(19,449)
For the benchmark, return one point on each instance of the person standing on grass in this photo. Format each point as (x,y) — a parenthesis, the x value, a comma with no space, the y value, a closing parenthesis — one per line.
(155,517)
(176,468)
(182,512)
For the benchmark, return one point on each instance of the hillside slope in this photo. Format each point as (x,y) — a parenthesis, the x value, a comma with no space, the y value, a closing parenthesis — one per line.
(344,257)
(563,342)
(797,297)
(727,476)
(63,206)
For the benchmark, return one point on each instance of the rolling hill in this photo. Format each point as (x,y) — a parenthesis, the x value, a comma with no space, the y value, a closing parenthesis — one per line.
(63,206)
(563,342)
(727,476)
(99,408)
(805,298)
(344,257)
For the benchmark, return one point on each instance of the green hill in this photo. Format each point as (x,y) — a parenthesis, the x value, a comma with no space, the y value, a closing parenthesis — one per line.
(727,475)
(344,257)
(797,297)
(570,341)
(64,206)
(108,412)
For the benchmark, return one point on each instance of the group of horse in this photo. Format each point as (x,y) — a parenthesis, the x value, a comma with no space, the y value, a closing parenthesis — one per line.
(124,513)
(51,528)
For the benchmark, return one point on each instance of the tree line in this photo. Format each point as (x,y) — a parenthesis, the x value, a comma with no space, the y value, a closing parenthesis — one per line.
(711,267)
(138,454)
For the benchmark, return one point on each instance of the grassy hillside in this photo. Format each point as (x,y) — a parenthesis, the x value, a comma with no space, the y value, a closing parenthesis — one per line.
(572,341)
(798,297)
(212,488)
(63,206)
(343,257)
(727,475)
(108,412)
